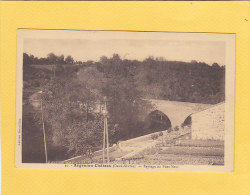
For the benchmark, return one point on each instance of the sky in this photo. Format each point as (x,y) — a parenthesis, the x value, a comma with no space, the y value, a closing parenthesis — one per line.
(89,49)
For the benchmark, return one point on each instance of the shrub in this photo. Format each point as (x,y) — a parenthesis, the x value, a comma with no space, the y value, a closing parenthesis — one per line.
(154,136)
(182,125)
(170,129)
(160,134)
(176,128)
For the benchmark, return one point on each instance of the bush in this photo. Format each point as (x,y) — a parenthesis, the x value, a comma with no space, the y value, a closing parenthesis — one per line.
(182,125)
(160,134)
(154,136)
(170,129)
(176,128)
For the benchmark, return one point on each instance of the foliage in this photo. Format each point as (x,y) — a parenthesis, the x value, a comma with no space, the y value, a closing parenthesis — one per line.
(154,136)
(50,59)
(170,130)
(83,137)
(76,122)
(157,78)
(182,125)
(69,60)
(176,128)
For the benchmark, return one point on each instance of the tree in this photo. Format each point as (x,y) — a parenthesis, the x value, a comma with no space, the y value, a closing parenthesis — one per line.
(69,60)
(66,97)
(116,57)
(83,137)
(103,60)
(215,65)
(60,59)
(93,81)
(52,58)
(124,106)
(26,59)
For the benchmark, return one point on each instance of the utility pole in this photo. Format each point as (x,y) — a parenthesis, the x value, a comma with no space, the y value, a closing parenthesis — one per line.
(44,137)
(103,148)
(105,134)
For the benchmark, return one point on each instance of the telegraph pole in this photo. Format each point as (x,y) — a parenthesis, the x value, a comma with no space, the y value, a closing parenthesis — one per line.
(103,148)
(105,134)
(44,137)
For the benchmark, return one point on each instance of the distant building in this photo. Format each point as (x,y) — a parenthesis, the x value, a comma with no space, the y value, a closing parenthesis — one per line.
(209,123)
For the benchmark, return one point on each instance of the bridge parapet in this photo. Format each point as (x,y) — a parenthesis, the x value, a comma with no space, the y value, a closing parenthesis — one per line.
(177,112)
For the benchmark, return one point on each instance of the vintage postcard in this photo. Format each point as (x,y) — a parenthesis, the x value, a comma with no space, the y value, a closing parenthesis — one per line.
(120,100)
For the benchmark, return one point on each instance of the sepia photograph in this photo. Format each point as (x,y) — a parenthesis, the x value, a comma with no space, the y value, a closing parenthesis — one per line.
(123,100)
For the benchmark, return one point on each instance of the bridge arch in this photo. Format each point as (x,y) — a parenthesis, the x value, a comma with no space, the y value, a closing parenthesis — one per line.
(188,121)
(177,112)
(156,121)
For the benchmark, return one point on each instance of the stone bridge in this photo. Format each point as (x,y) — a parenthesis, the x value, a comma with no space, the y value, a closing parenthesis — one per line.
(176,112)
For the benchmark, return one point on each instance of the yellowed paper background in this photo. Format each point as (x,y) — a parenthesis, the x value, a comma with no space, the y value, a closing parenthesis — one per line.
(221,17)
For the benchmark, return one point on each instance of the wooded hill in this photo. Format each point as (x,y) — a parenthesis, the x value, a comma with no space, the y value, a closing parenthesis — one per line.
(154,77)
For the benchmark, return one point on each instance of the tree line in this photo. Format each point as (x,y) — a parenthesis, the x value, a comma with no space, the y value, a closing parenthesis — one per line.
(50,59)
